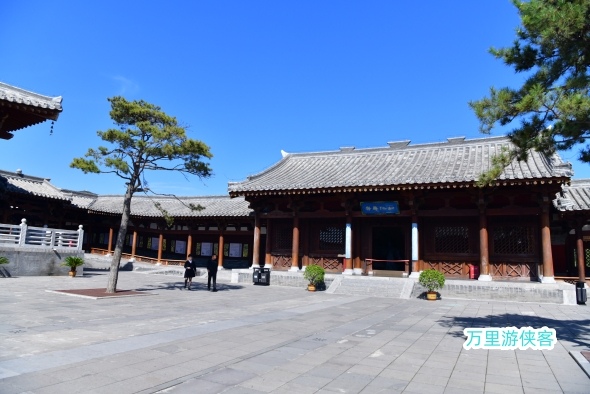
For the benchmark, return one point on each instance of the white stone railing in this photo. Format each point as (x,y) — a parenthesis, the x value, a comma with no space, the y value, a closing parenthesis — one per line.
(43,237)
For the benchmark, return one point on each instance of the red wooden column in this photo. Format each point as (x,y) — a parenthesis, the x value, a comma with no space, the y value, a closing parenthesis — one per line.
(548,276)
(484,251)
(304,236)
(580,255)
(256,245)
(133,244)
(221,248)
(357,266)
(110,245)
(161,240)
(267,255)
(189,245)
(295,249)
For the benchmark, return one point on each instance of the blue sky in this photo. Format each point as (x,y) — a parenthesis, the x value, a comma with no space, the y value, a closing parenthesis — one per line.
(250,78)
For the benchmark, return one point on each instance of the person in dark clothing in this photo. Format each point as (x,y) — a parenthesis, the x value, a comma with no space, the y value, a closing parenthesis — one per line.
(190,268)
(212,271)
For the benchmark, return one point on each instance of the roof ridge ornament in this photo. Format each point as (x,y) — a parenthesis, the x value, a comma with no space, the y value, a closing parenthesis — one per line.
(455,140)
(398,144)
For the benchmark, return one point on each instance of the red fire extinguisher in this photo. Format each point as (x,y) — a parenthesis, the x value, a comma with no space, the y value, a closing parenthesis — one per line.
(473,271)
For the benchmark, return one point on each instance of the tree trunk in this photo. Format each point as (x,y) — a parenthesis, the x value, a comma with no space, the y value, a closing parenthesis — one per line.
(114,271)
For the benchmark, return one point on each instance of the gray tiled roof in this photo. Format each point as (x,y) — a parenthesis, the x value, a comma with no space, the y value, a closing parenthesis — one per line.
(81,199)
(20,96)
(215,206)
(455,161)
(17,182)
(575,197)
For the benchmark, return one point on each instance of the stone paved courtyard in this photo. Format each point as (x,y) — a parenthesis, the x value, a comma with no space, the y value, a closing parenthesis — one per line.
(257,339)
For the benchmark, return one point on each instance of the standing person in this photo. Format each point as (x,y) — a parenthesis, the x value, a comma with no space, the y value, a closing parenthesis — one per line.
(212,271)
(190,267)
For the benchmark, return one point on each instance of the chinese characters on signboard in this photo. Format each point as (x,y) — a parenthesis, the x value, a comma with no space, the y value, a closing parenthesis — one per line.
(380,208)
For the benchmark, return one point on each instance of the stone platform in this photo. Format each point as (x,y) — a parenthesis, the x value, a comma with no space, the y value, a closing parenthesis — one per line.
(406,288)
(374,286)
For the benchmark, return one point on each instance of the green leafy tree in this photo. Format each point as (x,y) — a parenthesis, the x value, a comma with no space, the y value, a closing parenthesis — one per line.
(145,139)
(552,105)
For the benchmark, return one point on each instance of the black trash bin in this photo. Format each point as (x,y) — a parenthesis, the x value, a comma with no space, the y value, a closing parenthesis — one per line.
(580,293)
(261,276)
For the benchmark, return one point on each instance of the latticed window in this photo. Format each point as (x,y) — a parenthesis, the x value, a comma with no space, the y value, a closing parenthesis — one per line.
(513,239)
(331,238)
(282,236)
(451,239)
(586,257)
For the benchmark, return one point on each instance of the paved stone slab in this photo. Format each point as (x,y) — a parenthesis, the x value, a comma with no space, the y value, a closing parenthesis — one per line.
(276,339)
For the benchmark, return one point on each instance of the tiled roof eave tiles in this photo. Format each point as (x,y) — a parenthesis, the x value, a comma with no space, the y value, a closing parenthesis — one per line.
(18,96)
(180,207)
(408,186)
(574,197)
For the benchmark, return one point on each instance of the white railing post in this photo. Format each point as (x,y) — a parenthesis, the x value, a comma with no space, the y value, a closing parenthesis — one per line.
(23,232)
(49,236)
(80,237)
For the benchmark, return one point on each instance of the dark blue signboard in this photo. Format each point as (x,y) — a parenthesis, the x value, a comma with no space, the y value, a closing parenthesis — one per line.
(380,208)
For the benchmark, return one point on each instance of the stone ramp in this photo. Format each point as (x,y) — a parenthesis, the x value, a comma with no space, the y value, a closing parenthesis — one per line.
(372,286)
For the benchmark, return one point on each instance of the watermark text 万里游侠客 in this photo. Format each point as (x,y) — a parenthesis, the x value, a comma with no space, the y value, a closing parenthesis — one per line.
(510,338)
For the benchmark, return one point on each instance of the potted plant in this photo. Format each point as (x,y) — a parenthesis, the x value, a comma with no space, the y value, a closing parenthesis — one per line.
(4,273)
(314,275)
(432,280)
(73,262)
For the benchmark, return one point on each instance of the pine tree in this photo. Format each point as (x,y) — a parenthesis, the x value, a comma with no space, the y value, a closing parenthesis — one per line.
(552,105)
(146,139)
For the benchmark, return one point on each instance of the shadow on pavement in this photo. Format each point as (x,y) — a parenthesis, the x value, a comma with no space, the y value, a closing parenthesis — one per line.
(572,331)
(196,286)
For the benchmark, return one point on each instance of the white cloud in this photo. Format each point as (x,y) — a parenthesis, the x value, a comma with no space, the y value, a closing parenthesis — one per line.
(126,86)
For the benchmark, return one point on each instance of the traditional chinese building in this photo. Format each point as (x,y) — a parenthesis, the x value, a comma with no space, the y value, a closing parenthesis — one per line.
(403,208)
(393,210)
(571,243)
(223,224)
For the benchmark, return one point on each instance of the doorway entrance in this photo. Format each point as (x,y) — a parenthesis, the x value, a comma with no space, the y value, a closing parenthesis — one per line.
(388,247)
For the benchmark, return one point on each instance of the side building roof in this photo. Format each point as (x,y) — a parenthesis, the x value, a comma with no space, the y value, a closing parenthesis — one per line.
(402,165)
(141,206)
(574,197)
(178,207)
(21,108)
(19,183)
